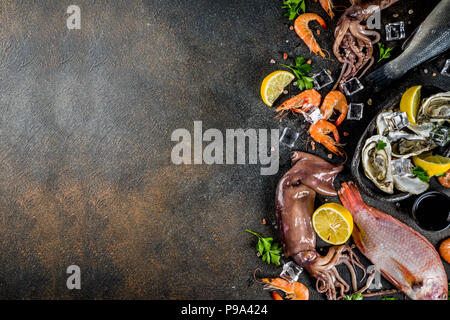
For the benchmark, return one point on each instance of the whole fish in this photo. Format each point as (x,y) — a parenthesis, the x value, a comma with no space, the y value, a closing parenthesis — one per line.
(431,39)
(403,256)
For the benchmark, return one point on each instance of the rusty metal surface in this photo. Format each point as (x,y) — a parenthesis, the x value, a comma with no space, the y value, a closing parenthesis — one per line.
(85,125)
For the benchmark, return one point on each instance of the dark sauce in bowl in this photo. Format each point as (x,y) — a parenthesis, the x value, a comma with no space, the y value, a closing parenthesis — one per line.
(431,211)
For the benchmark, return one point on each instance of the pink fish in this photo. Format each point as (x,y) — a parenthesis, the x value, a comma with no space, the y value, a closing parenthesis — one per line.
(403,256)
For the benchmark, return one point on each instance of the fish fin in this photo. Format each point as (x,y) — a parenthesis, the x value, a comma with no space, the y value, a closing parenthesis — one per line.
(350,196)
(381,77)
(407,274)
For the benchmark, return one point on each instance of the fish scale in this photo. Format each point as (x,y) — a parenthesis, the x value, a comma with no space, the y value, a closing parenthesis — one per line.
(403,256)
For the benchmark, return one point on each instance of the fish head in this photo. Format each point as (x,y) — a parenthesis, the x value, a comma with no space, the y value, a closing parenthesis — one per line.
(430,289)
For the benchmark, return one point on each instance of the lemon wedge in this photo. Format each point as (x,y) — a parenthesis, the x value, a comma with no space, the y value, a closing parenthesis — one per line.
(273,85)
(333,223)
(410,103)
(433,165)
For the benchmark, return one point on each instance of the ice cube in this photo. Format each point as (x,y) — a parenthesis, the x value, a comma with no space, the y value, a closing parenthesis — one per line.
(440,135)
(395,31)
(355,111)
(322,79)
(396,121)
(446,70)
(402,166)
(352,86)
(289,136)
(312,115)
(291,272)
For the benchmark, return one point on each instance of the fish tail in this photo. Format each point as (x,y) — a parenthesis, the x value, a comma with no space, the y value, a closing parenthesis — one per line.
(350,196)
(381,77)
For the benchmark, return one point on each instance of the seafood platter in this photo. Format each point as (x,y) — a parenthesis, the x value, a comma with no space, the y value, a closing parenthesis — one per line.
(403,153)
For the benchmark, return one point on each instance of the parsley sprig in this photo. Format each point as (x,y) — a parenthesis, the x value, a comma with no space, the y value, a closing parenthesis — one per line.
(301,69)
(355,296)
(294,8)
(420,173)
(384,52)
(270,251)
(381,145)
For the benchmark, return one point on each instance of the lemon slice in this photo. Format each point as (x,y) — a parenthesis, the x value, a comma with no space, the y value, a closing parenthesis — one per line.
(433,165)
(410,103)
(273,85)
(333,223)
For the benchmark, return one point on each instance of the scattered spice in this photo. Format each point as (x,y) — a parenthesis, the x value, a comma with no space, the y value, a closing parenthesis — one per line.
(309,61)
(409,22)
(369,102)
(285,56)
(434,74)
(395,15)
(291,28)
(264,221)
(285,92)
(272,61)
(346,134)
(410,11)
(318,31)
(330,156)
(425,70)
(287,41)
(313,145)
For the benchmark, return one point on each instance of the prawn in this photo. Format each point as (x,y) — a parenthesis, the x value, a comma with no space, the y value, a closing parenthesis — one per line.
(305,33)
(294,291)
(319,132)
(334,100)
(301,102)
(327,5)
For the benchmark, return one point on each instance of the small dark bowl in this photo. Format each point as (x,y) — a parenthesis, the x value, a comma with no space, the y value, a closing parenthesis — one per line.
(367,186)
(419,200)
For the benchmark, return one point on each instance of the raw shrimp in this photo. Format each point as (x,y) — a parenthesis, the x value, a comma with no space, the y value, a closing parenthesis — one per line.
(327,5)
(294,291)
(302,102)
(303,31)
(334,100)
(319,132)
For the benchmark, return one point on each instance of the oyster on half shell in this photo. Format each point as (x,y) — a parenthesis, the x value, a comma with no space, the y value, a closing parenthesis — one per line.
(435,108)
(405,145)
(376,163)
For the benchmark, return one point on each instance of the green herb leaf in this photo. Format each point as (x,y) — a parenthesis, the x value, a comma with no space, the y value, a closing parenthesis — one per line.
(269,250)
(441,174)
(301,69)
(381,145)
(420,173)
(389,298)
(294,8)
(355,296)
(384,52)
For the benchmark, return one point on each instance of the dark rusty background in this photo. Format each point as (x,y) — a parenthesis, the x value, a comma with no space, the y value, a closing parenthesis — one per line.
(85,125)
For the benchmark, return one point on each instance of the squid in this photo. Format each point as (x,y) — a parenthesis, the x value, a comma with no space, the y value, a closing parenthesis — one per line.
(295,196)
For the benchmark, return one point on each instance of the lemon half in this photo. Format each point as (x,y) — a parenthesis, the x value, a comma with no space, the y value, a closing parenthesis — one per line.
(273,85)
(410,102)
(333,223)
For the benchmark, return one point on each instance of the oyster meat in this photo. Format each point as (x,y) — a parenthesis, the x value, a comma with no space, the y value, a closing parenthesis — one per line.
(376,162)
(435,108)
(405,145)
